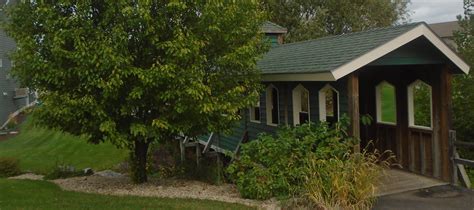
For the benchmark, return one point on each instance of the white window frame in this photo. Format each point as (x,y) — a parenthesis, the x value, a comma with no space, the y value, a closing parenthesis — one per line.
(296,94)
(411,106)
(378,103)
(322,102)
(269,105)
(252,112)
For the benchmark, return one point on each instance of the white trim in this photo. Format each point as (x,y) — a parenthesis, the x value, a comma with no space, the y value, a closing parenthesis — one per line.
(326,76)
(296,95)
(322,102)
(269,104)
(411,106)
(378,103)
(421,30)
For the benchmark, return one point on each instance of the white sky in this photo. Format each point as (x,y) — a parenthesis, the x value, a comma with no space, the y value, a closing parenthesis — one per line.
(435,11)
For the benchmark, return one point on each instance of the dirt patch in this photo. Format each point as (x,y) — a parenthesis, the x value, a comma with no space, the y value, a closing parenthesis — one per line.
(170,188)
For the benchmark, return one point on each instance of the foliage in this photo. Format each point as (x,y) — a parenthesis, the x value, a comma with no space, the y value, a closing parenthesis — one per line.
(63,171)
(463,94)
(165,162)
(9,167)
(39,149)
(136,72)
(316,18)
(348,182)
(164,159)
(28,194)
(422,104)
(277,166)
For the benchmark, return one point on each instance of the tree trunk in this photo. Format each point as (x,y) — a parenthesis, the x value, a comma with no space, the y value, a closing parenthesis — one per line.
(139,161)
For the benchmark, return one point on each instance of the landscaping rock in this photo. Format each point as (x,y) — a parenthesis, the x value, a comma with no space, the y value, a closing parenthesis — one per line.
(88,171)
(112,183)
(109,173)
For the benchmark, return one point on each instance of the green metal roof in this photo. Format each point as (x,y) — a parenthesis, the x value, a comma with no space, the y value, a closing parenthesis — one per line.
(272,28)
(328,53)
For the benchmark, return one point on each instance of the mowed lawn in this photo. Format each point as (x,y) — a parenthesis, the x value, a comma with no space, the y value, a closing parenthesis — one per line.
(28,194)
(388,104)
(40,149)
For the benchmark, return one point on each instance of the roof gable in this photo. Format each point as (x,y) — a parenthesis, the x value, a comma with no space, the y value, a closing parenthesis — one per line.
(272,28)
(331,58)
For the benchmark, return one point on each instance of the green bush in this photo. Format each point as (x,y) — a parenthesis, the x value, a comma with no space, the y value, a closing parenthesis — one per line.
(9,167)
(312,165)
(277,166)
(63,171)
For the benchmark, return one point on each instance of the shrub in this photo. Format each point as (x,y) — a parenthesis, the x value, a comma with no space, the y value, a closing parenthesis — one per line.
(345,183)
(9,167)
(277,166)
(63,171)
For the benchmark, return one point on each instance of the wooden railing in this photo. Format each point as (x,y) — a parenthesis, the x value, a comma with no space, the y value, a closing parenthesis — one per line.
(458,163)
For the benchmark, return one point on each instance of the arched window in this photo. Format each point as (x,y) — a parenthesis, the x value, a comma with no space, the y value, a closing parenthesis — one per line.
(386,103)
(272,105)
(255,112)
(328,104)
(420,105)
(300,105)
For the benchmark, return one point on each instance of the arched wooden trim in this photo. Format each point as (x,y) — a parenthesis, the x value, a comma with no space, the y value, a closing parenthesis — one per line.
(296,94)
(378,102)
(411,105)
(322,102)
(269,104)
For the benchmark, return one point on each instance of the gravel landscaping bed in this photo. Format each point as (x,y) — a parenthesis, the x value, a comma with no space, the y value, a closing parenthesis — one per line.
(170,188)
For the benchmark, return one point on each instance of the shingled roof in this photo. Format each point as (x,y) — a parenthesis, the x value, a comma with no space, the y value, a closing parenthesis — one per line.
(332,57)
(272,28)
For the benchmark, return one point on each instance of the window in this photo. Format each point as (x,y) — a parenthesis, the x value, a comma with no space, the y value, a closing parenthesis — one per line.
(328,104)
(272,106)
(300,105)
(1,62)
(420,105)
(255,112)
(386,103)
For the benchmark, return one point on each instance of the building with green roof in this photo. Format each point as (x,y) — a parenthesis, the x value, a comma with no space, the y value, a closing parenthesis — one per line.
(381,73)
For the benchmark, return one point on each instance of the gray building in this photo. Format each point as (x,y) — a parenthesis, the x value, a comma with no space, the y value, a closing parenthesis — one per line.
(446,31)
(12,96)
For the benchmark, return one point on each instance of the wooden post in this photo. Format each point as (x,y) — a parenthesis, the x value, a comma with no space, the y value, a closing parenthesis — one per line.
(452,152)
(198,155)
(219,162)
(182,149)
(445,122)
(353,107)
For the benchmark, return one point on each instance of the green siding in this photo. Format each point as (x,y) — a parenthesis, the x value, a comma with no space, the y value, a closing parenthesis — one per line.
(417,52)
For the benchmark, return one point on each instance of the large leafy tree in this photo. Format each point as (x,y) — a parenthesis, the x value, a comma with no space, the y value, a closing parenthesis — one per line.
(309,19)
(463,96)
(135,72)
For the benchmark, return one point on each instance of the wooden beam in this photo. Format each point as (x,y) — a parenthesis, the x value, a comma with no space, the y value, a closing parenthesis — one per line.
(445,121)
(353,107)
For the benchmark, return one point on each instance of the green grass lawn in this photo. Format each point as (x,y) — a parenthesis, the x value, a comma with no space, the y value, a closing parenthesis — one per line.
(40,149)
(28,194)
(388,104)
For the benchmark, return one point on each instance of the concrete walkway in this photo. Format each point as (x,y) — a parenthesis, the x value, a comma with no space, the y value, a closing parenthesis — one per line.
(397,181)
(444,197)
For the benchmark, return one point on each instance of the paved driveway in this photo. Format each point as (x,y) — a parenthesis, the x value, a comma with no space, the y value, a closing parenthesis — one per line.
(445,197)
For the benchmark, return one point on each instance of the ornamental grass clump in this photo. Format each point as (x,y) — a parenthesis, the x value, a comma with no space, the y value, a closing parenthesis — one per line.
(348,182)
